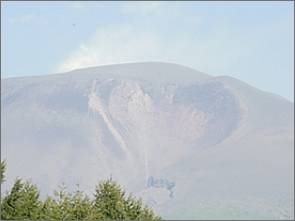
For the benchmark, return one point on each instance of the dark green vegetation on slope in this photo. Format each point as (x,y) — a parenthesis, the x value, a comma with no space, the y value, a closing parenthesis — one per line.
(22,202)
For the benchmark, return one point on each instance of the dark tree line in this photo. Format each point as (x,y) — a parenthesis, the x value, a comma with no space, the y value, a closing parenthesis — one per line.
(109,202)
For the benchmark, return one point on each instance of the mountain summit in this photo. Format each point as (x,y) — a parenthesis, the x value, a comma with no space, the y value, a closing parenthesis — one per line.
(191,145)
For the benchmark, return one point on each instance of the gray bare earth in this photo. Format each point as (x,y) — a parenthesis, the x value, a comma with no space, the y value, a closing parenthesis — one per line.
(191,145)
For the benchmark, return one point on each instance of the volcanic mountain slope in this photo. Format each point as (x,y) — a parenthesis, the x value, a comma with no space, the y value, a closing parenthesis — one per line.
(191,145)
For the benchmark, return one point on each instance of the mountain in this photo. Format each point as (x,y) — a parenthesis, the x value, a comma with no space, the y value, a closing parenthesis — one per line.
(191,145)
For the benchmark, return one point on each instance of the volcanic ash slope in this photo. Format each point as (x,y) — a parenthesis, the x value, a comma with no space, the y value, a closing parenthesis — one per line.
(191,145)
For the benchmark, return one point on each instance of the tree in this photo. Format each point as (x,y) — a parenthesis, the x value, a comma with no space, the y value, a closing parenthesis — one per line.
(59,206)
(22,202)
(3,169)
(111,202)
(83,207)
(69,206)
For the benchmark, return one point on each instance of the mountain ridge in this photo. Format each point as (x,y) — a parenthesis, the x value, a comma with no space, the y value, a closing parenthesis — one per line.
(164,139)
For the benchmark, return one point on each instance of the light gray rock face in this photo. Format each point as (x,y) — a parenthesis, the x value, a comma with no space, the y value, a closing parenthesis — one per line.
(191,145)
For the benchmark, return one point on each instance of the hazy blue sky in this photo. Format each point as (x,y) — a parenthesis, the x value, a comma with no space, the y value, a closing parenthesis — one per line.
(251,41)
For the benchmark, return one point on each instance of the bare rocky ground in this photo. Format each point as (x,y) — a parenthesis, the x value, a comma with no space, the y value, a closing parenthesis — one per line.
(191,145)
